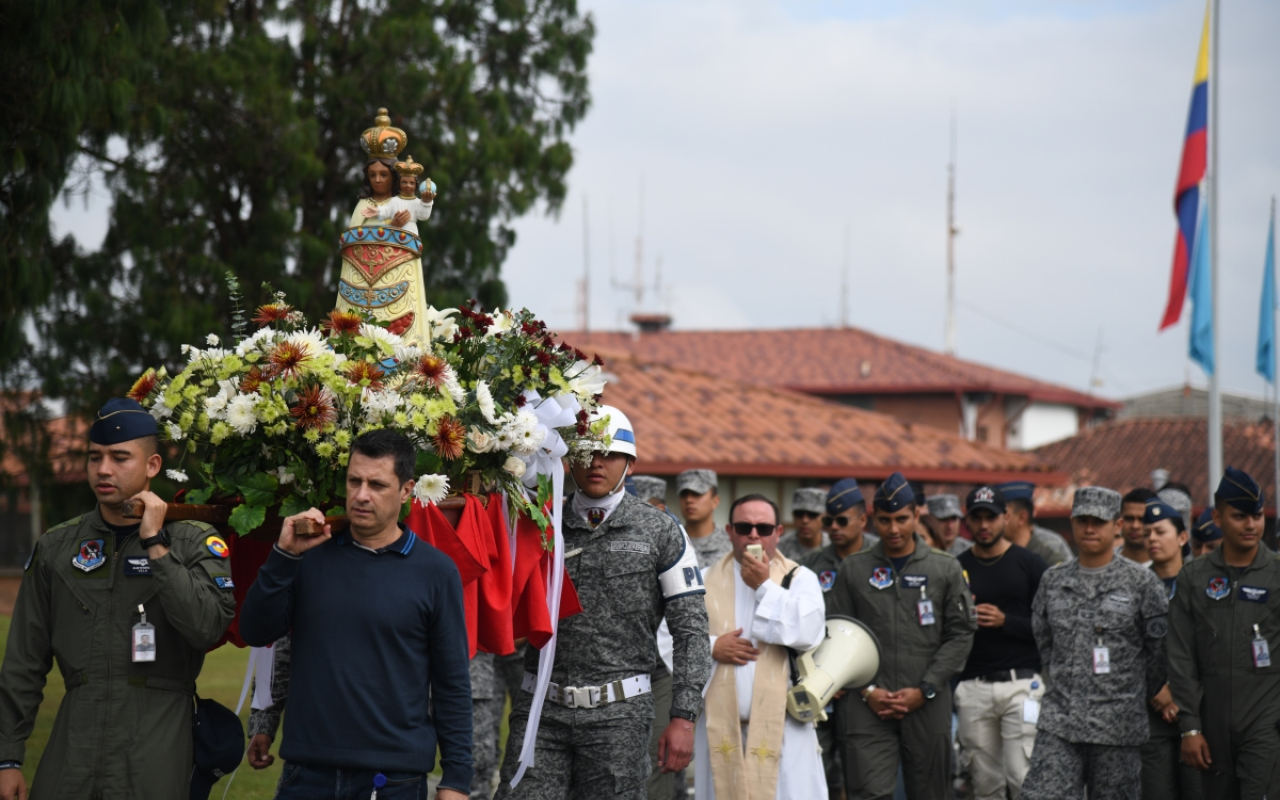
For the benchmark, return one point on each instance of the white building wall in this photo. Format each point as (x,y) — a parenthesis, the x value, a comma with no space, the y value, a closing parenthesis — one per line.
(1042,423)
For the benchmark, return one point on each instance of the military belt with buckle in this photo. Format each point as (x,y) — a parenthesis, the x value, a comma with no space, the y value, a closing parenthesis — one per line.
(591,696)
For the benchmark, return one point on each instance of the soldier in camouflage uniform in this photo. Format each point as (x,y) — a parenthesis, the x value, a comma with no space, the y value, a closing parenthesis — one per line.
(651,490)
(915,600)
(807,506)
(1223,627)
(1100,625)
(486,723)
(1021,528)
(631,566)
(699,495)
(124,728)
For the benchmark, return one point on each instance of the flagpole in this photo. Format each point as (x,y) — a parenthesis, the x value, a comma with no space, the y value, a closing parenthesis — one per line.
(1215,391)
(1275,380)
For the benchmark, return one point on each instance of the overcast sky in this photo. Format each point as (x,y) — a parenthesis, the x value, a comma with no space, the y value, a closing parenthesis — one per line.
(763,129)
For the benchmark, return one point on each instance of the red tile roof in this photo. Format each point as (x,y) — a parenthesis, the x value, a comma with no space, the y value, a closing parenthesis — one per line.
(685,419)
(1122,454)
(828,361)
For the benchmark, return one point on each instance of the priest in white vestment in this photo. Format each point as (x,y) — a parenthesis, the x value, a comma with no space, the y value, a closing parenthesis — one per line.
(747,747)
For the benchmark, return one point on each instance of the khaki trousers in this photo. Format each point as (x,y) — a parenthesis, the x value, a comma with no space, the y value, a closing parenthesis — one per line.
(994,735)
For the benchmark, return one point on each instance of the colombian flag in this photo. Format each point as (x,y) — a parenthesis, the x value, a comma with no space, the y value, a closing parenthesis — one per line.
(1186,198)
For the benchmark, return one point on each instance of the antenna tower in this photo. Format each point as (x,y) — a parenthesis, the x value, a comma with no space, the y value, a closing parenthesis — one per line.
(952,231)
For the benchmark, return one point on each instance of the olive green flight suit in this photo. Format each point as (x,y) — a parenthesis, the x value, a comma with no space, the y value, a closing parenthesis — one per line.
(910,654)
(124,729)
(1212,675)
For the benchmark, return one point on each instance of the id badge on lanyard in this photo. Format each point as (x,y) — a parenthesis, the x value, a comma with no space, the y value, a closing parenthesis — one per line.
(144,639)
(1261,651)
(1101,657)
(924,609)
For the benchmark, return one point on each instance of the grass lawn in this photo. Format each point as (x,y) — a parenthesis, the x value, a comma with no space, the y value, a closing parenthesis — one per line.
(221,679)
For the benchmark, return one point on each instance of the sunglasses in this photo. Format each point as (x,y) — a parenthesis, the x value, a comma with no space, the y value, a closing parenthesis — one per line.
(804,515)
(763,529)
(843,522)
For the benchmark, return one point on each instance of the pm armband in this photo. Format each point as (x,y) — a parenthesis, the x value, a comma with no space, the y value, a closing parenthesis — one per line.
(682,577)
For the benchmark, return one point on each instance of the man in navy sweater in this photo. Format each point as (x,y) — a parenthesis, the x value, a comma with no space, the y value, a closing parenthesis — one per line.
(379,661)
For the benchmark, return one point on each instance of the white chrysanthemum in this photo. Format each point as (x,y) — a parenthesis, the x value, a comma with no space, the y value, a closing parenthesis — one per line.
(176,475)
(384,338)
(260,340)
(431,488)
(212,340)
(485,398)
(311,342)
(587,380)
(528,439)
(378,404)
(175,431)
(407,353)
(454,388)
(215,406)
(240,414)
(515,466)
(160,411)
(440,324)
(284,476)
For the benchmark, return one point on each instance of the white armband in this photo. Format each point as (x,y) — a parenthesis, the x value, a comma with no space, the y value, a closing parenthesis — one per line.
(682,577)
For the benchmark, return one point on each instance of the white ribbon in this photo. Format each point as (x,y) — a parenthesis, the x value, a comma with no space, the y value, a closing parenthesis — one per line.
(550,413)
(258,673)
(558,411)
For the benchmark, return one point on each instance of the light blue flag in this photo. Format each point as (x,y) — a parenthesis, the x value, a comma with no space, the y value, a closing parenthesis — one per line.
(1267,317)
(1201,293)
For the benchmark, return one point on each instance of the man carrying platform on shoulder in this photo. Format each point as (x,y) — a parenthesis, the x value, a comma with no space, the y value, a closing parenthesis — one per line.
(91,589)
(1021,528)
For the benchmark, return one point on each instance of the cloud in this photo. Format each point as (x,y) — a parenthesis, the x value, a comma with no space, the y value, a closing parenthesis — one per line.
(763,129)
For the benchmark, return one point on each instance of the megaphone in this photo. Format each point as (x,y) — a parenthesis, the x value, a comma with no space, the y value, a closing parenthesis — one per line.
(849,656)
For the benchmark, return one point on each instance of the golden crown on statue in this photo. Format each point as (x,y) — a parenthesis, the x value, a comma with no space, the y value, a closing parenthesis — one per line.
(382,140)
(409,167)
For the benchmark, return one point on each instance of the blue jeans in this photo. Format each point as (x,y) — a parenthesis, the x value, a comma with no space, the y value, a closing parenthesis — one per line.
(307,782)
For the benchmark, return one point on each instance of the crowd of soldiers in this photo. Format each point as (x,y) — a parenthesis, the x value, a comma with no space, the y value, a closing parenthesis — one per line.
(1133,662)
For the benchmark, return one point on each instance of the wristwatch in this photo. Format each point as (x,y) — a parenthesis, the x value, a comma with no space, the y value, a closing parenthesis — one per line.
(686,715)
(928,690)
(871,687)
(160,538)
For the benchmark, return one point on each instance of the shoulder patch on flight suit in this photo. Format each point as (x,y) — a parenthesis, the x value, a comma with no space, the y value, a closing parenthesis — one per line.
(827,579)
(681,578)
(1218,588)
(91,555)
(217,546)
(881,577)
(223,582)
(1157,627)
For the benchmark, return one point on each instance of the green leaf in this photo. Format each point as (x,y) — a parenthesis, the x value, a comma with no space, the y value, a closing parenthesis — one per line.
(293,504)
(245,518)
(199,496)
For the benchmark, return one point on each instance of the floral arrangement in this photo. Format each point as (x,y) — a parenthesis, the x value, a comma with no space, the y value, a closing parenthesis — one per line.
(492,400)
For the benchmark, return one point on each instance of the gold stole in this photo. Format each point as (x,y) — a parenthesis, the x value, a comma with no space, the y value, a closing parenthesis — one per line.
(753,776)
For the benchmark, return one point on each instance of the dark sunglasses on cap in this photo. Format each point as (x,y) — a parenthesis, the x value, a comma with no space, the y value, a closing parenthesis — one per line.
(764,529)
(842,521)
(804,514)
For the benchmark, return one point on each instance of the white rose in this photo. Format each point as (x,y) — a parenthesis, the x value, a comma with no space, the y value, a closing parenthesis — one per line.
(515,466)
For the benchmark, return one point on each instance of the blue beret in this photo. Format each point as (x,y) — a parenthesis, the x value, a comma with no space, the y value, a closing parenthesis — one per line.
(1205,530)
(844,496)
(1017,490)
(1158,510)
(894,494)
(122,420)
(1239,491)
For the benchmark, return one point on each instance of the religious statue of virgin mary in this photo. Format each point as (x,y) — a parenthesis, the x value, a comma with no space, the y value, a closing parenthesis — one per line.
(381,250)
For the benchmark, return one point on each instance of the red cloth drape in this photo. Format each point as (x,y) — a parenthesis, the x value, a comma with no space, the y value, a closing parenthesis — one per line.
(247,557)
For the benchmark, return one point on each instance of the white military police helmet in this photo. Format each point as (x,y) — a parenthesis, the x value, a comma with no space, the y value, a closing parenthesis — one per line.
(621,433)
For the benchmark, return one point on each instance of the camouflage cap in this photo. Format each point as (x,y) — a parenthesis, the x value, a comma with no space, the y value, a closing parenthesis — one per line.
(944,506)
(1096,501)
(698,481)
(809,499)
(1179,500)
(650,488)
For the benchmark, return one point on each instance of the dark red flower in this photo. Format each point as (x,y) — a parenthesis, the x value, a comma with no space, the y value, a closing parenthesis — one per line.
(520,401)
(249,383)
(450,438)
(598,361)
(543,357)
(287,358)
(341,323)
(314,408)
(143,386)
(360,371)
(272,312)
(431,371)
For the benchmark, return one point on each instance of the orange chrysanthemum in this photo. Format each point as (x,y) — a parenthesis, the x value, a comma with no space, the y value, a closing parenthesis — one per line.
(340,323)
(431,370)
(250,382)
(359,371)
(143,386)
(272,312)
(314,408)
(450,438)
(287,358)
